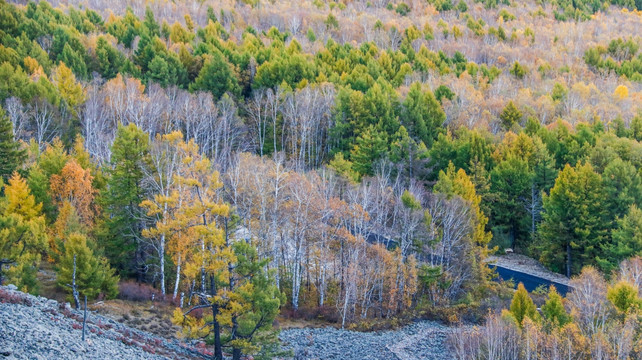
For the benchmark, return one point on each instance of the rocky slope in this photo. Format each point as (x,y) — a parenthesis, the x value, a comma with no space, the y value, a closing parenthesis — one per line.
(423,340)
(38,328)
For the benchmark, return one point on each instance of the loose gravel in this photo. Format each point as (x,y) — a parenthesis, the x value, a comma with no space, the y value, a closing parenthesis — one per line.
(421,340)
(38,328)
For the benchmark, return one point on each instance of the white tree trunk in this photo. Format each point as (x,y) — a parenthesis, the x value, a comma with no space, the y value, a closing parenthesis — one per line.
(161,253)
(178,277)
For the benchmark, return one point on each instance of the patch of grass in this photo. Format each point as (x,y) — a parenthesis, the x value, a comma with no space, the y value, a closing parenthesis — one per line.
(140,315)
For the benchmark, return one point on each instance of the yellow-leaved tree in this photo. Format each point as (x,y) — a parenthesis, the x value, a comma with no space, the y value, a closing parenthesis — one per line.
(621,92)
(70,90)
(228,279)
(22,235)
(74,185)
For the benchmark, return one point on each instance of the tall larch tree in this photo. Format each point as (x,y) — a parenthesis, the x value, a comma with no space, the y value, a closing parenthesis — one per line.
(11,154)
(217,76)
(574,226)
(120,230)
(209,260)
(510,183)
(74,185)
(70,90)
(522,306)
(93,275)
(422,115)
(22,235)
(197,207)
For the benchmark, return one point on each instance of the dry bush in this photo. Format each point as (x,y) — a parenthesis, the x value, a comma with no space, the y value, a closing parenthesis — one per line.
(133,291)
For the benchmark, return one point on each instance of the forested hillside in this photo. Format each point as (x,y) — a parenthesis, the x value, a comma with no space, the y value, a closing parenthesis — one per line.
(350,160)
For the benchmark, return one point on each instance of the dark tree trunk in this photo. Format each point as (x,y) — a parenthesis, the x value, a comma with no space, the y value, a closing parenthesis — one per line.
(84,320)
(139,264)
(512,236)
(139,255)
(236,352)
(3,262)
(568,260)
(218,347)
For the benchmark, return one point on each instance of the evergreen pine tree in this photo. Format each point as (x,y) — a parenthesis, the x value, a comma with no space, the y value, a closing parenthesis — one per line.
(109,60)
(260,299)
(574,227)
(510,116)
(544,171)
(510,184)
(522,306)
(636,127)
(11,155)
(370,147)
(159,71)
(622,187)
(120,230)
(216,76)
(414,116)
(94,276)
(626,239)
(74,61)
(553,310)
(423,115)
(150,22)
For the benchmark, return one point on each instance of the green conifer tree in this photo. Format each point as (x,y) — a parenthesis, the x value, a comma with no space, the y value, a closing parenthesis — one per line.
(217,77)
(370,147)
(11,154)
(574,225)
(74,61)
(553,310)
(121,227)
(624,297)
(510,116)
(423,115)
(94,276)
(150,22)
(522,306)
(511,183)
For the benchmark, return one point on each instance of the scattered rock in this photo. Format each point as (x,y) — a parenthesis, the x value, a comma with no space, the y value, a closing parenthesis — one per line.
(422,340)
(49,330)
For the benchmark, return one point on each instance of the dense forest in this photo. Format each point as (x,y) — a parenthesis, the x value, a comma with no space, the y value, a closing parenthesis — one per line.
(354,160)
